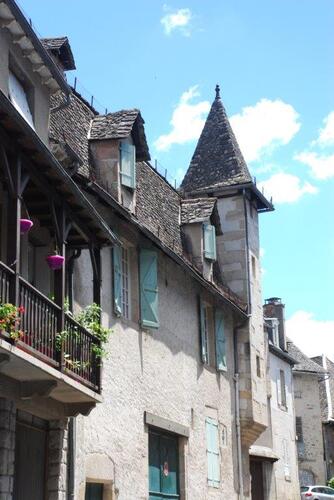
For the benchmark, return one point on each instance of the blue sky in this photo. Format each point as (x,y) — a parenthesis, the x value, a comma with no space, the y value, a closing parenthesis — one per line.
(273,61)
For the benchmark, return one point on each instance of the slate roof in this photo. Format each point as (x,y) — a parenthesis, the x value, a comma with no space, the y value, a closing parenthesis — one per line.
(60,46)
(195,210)
(304,363)
(71,125)
(217,160)
(119,125)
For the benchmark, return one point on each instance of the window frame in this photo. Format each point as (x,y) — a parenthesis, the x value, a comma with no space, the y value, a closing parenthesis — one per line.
(127,179)
(209,240)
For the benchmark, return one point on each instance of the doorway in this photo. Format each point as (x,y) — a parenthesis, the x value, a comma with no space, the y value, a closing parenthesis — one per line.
(163,466)
(257,482)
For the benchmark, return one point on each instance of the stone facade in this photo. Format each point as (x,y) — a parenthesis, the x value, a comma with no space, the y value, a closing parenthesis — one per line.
(7,448)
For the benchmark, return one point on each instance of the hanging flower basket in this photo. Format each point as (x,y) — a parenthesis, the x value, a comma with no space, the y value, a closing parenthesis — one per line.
(55,261)
(25,225)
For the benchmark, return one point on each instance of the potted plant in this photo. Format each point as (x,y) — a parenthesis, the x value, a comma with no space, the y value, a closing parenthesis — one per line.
(55,261)
(10,319)
(25,225)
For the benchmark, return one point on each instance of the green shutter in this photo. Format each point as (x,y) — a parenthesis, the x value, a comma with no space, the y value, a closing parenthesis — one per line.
(128,165)
(209,242)
(117,267)
(203,332)
(149,288)
(220,341)
(212,444)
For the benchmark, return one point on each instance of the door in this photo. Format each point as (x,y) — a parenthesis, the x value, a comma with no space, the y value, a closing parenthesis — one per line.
(257,484)
(163,466)
(30,460)
(94,491)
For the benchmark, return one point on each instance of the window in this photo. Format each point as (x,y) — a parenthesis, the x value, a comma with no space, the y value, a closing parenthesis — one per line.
(204,331)
(18,97)
(121,271)
(253,268)
(163,465)
(281,389)
(210,251)
(148,275)
(128,164)
(286,460)
(300,437)
(212,451)
(258,366)
(220,341)
(94,491)
(271,326)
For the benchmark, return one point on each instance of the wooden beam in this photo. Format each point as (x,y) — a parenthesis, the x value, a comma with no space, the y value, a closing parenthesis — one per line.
(7,170)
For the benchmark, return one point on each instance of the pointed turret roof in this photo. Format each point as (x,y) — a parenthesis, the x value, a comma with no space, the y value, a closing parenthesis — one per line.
(217,160)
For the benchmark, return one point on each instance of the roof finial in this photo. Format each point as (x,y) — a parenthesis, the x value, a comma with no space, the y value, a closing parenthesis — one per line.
(217,89)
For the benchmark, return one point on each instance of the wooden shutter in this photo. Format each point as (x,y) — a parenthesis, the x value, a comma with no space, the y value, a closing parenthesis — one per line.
(203,332)
(209,241)
(128,165)
(212,443)
(117,267)
(148,264)
(283,388)
(220,341)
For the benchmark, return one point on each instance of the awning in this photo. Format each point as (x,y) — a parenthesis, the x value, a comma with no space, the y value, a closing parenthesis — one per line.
(263,453)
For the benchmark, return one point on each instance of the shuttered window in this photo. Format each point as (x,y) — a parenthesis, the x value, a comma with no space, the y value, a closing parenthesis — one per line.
(148,272)
(117,268)
(299,429)
(204,332)
(212,447)
(128,164)
(220,341)
(281,389)
(18,97)
(210,251)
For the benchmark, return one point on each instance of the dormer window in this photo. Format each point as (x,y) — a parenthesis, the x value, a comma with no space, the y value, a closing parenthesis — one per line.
(272,327)
(210,251)
(128,164)
(18,97)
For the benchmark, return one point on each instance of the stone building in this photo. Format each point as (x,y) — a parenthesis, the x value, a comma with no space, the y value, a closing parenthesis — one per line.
(182,394)
(326,387)
(274,454)
(307,377)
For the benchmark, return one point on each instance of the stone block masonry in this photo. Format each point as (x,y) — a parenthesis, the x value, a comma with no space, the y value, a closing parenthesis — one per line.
(7,447)
(57,463)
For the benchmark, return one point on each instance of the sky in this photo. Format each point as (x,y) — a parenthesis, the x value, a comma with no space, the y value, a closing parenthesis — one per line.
(274,63)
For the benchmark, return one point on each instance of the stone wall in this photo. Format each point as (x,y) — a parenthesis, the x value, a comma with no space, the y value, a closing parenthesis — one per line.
(7,447)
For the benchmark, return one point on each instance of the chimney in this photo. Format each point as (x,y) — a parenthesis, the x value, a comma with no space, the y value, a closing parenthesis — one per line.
(274,308)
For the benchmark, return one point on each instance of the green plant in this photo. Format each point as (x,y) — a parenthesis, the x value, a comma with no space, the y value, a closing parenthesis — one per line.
(89,318)
(10,319)
(330,482)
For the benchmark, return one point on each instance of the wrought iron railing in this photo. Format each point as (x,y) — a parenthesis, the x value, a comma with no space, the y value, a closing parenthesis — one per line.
(41,322)
(79,352)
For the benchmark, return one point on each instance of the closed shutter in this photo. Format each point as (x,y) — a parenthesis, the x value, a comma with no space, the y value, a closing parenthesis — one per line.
(117,265)
(212,443)
(203,332)
(209,241)
(220,341)
(128,165)
(283,388)
(149,288)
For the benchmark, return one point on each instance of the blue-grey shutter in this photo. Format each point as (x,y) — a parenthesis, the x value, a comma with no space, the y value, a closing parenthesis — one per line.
(212,445)
(117,268)
(203,332)
(220,341)
(210,251)
(128,165)
(148,263)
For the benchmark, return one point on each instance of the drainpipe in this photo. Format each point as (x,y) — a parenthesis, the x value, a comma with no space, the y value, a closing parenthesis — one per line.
(62,105)
(237,409)
(249,300)
(71,459)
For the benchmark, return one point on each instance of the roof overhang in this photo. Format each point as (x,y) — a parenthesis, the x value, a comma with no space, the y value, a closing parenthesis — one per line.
(282,354)
(263,453)
(12,18)
(14,125)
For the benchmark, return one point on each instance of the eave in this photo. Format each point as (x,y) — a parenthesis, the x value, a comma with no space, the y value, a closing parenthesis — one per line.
(12,18)
(282,354)
(17,132)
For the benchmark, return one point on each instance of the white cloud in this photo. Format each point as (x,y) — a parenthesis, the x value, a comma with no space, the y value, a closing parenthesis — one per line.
(313,337)
(286,188)
(264,126)
(177,20)
(322,166)
(187,121)
(326,134)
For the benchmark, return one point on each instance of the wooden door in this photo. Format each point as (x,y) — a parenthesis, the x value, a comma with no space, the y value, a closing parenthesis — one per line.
(30,462)
(257,484)
(163,466)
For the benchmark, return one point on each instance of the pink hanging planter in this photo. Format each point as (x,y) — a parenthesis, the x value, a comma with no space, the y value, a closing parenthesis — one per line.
(25,225)
(55,261)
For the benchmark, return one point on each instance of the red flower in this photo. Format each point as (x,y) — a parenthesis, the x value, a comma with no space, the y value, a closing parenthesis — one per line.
(21,309)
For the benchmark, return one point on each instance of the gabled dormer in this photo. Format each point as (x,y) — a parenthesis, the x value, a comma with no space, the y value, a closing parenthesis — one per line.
(117,142)
(274,322)
(200,226)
